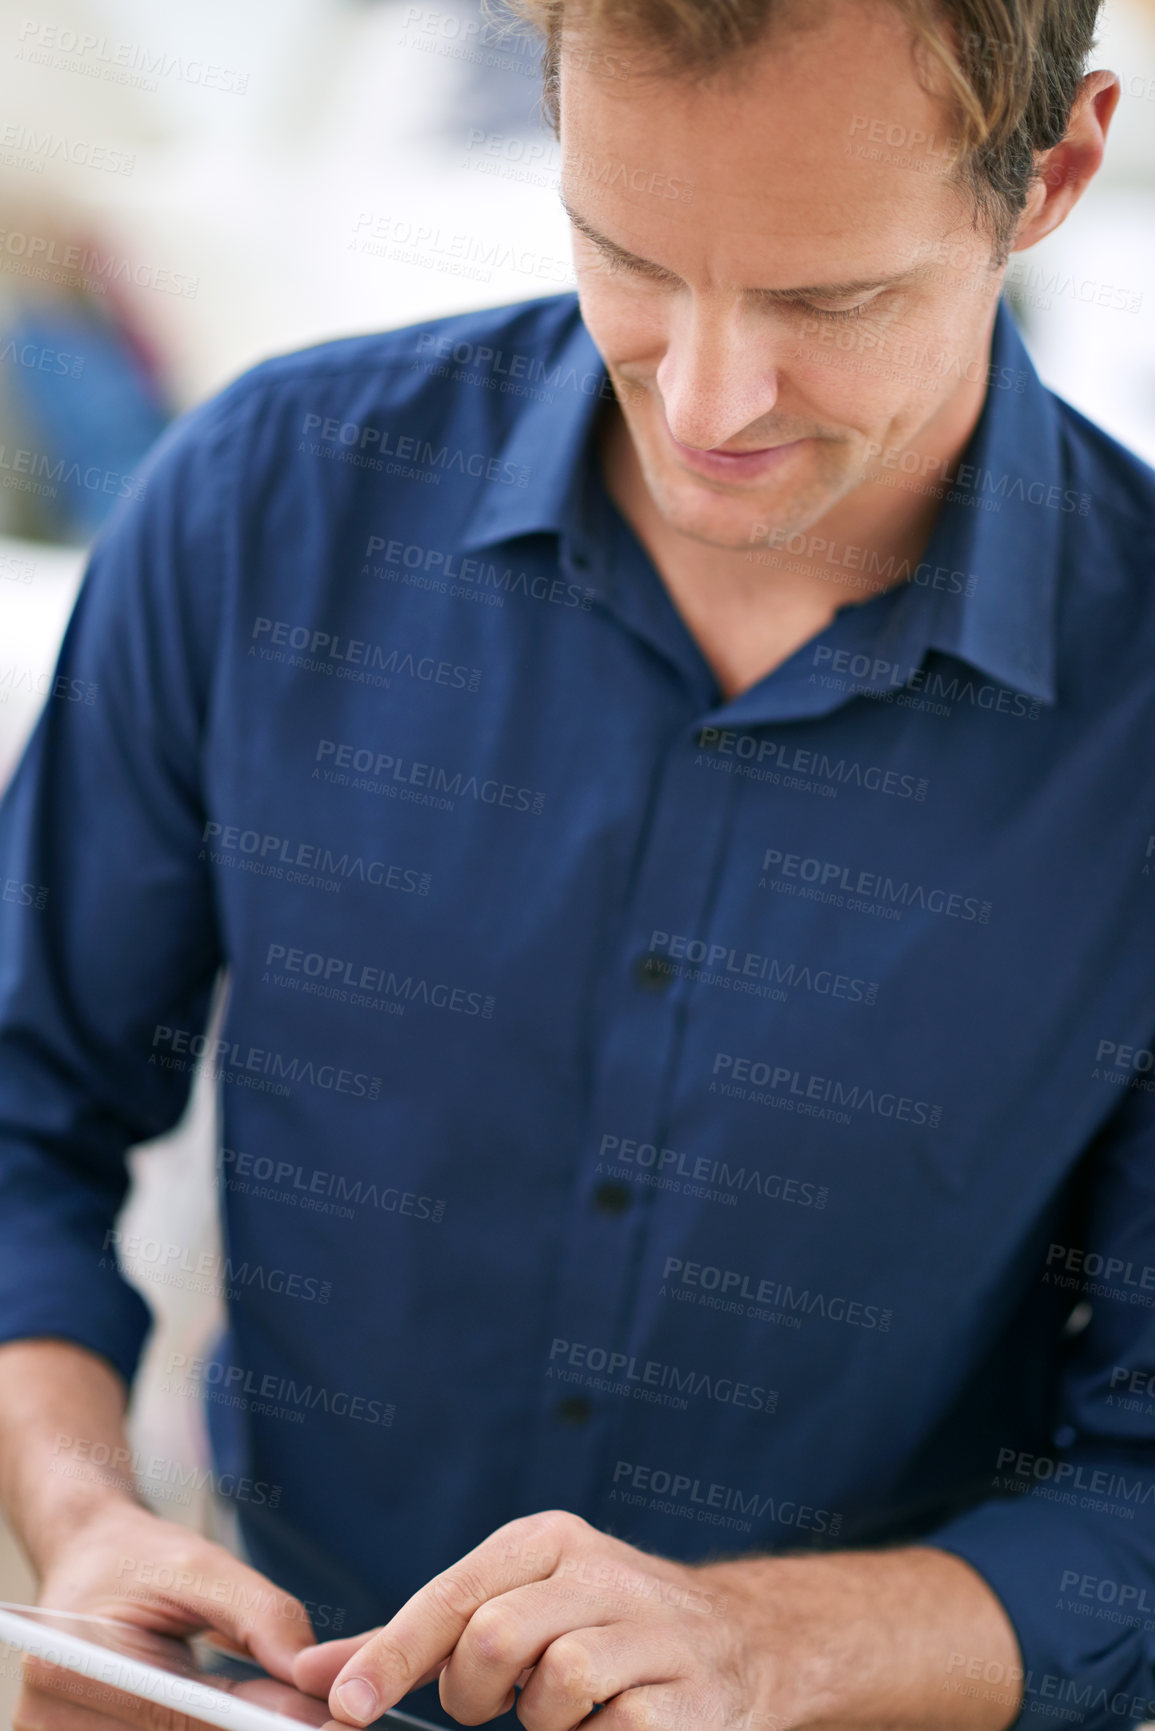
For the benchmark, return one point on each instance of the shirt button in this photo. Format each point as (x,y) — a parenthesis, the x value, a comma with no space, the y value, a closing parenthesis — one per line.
(612,1198)
(653,972)
(574,1409)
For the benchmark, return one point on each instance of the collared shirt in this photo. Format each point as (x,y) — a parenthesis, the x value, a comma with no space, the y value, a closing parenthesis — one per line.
(729,1120)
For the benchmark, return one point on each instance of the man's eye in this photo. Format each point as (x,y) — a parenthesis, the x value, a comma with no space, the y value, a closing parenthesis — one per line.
(613,263)
(854,312)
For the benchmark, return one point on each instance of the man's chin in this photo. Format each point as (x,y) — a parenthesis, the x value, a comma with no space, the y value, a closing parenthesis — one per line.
(738,524)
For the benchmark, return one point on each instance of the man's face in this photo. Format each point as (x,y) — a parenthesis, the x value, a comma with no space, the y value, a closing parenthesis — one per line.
(820,175)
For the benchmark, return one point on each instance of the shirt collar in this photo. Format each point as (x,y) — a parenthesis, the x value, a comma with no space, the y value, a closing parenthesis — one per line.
(999,525)
(549,436)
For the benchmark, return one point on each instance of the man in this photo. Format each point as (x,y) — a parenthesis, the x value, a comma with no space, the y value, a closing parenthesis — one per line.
(665,785)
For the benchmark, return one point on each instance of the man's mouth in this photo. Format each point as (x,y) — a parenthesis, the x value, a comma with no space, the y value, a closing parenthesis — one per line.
(728,465)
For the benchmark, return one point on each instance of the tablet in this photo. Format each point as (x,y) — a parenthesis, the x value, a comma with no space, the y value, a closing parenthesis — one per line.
(196,1677)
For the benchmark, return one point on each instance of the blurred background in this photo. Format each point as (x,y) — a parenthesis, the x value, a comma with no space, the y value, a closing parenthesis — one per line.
(188,188)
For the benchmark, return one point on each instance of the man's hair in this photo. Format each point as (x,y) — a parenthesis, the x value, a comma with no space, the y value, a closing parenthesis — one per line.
(1008,68)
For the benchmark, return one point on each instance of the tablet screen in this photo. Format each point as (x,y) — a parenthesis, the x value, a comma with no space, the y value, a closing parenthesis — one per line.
(199,1678)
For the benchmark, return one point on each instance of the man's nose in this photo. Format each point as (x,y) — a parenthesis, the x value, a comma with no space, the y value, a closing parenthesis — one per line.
(715,382)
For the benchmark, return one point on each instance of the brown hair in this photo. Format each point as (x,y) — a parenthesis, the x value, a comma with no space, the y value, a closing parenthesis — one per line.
(1011,69)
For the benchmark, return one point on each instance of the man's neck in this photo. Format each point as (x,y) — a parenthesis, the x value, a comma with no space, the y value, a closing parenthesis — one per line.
(750,610)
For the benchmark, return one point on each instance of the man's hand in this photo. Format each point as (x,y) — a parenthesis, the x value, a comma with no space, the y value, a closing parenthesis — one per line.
(576,1617)
(573,1619)
(126,1563)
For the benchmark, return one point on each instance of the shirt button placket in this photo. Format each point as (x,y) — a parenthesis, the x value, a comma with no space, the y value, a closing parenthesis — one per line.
(639,1019)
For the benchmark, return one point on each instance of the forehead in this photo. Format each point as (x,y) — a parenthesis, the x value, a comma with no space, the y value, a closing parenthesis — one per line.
(819,153)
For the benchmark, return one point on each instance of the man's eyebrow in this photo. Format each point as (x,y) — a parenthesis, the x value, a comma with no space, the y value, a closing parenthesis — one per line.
(811,291)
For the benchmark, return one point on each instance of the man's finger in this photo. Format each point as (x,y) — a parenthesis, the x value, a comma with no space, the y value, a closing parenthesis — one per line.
(69,1701)
(210,1589)
(314,1668)
(505,1638)
(429,1625)
(54,1695)
(576,1671)
(664,1706)
(36,1710)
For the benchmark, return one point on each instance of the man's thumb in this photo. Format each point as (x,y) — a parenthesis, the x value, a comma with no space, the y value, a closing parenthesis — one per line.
(271,1625)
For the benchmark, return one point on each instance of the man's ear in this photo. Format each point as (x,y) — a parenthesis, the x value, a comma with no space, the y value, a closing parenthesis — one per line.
(1068,168)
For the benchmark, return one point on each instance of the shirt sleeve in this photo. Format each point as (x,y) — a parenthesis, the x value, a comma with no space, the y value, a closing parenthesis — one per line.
(1070,1551)
(107,926)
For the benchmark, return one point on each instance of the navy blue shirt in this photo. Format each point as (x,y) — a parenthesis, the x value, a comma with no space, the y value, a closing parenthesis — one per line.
(728,1120)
